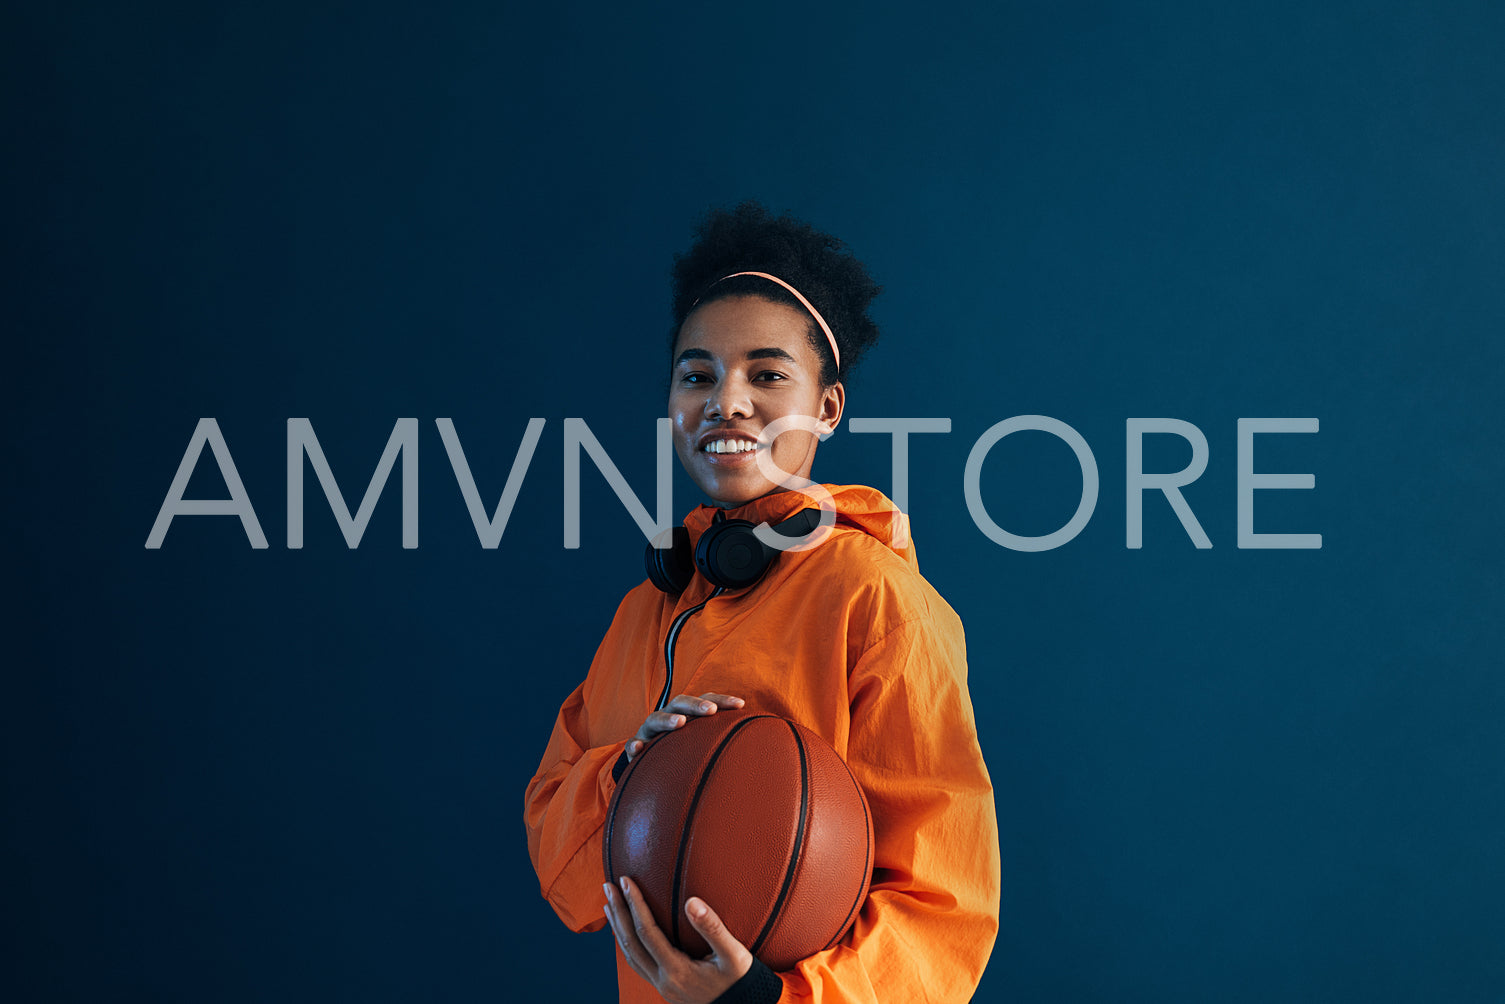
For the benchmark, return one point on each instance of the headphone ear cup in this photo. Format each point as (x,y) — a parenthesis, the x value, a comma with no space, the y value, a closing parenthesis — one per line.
(730,555)
(671,568)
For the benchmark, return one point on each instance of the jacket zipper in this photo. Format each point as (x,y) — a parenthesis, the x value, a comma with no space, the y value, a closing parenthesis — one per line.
(673,637)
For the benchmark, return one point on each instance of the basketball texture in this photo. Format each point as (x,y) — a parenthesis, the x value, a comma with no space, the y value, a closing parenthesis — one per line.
(756,815)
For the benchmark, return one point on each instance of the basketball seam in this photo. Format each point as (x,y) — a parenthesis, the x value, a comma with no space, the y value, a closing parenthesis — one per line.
(689,824)
(867,863)
(799,841)
(611,818)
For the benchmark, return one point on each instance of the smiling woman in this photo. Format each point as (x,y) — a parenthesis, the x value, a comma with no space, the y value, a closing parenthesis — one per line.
(847,639)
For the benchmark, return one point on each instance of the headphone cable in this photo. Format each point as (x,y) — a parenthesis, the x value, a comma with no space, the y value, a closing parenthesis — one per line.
(673,637)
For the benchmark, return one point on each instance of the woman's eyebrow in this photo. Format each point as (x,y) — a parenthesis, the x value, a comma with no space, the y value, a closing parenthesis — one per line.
(692,354)
(770,353)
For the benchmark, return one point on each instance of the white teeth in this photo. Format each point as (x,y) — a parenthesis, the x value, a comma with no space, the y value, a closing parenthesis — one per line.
(729,446)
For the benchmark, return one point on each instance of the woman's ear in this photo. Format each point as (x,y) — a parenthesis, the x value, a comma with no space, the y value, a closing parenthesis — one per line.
(831,407)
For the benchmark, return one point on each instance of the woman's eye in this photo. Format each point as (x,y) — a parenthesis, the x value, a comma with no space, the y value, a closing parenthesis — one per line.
(770,375)
(695,378)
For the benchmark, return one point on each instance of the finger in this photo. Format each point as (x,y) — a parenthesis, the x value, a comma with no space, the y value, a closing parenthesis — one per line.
(634,747)
(692,705)
(626,935)
(646,928)
(729,953)
(659,722)
(723,701)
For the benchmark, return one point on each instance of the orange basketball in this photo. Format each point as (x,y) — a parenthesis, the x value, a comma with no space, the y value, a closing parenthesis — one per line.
(756,815)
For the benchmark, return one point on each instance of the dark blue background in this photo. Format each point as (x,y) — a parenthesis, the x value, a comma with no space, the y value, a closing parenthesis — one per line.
(1226,775)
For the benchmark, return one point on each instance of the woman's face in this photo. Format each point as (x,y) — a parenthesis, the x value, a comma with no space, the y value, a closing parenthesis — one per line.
(740,363)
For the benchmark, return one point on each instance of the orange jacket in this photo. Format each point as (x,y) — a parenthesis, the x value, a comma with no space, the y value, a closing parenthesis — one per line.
(849,640)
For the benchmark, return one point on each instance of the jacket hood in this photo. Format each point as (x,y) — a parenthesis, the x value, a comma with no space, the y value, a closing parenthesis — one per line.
(857,506)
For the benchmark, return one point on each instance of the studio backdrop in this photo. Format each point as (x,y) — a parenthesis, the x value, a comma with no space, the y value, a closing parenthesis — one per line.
(1194,313)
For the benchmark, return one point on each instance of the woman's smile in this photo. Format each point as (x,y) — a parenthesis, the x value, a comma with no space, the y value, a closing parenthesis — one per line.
(727,446)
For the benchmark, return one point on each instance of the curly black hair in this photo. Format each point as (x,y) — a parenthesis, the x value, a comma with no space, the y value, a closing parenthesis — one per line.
(749,238)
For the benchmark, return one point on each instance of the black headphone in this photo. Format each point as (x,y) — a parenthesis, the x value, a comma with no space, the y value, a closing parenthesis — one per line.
(729,554)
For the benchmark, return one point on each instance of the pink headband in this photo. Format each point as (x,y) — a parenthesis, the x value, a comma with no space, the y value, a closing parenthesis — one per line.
(835,352)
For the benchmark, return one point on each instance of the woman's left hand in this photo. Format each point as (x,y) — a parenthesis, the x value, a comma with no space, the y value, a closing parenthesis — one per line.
(678,978)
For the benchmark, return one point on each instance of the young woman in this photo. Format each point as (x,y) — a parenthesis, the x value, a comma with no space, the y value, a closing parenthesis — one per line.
(845,638)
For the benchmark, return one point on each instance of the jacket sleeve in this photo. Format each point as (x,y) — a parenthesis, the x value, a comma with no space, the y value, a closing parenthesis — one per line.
(931,916)
(564,810)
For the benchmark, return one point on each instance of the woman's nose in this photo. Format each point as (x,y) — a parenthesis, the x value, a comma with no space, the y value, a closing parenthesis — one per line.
(728,399)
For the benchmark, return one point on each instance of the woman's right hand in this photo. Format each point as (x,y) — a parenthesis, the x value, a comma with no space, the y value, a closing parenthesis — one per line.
(674,714)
